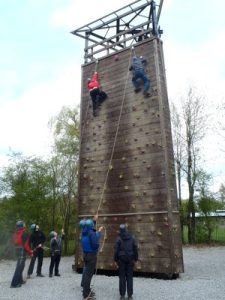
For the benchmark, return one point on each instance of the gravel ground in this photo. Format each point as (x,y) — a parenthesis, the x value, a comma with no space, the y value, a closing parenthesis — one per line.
(204,279)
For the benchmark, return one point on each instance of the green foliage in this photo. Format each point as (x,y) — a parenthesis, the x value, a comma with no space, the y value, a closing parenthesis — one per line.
(42,191)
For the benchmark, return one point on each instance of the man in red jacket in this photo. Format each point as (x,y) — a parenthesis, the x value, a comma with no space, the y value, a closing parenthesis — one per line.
(97,96)
(21,241)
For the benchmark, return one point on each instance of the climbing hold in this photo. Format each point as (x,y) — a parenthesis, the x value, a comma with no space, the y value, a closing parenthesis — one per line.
(121,176)
(116,57)
(152,254)
(123,158)
(110,167)
(126,187)
(151,218)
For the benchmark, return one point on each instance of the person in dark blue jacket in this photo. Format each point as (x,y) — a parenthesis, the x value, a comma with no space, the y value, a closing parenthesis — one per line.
(125,255)
(138,69)
(90,245)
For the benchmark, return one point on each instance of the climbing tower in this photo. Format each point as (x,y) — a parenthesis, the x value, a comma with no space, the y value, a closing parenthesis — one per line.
(126,155)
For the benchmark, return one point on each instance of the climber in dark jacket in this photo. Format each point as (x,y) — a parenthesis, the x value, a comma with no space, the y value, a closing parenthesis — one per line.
(138,69)
(90,245)
(37,240)
(125,254)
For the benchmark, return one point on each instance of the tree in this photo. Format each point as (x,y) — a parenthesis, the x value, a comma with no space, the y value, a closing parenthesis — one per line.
(222,193)
(65,128)
(178,148)
(192,121)
(26,194)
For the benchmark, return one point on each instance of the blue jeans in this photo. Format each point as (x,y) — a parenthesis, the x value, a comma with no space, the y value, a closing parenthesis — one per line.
(141,75)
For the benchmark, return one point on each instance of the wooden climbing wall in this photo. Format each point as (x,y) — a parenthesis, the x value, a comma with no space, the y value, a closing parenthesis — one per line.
(140,189)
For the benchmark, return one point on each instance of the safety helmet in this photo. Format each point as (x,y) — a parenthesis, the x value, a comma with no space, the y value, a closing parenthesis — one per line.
(20,224)
(32,227)
(123,227)
(89,223)
(52,234)
(82,223)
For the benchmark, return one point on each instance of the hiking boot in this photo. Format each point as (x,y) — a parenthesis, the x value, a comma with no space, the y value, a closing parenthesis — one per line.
(50,275)
(146,94)
(57,274)
(130,298)
(28,276)
(137,90)
(40,275)
(16,286)
(122,298)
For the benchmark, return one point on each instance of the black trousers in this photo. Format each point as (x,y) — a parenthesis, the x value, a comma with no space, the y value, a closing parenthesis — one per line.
(95,98)
(126,277)
(54,264)
(90,260)
(18,274)
(38,253)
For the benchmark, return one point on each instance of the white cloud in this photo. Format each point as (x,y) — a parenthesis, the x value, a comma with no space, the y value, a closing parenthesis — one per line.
(25,120)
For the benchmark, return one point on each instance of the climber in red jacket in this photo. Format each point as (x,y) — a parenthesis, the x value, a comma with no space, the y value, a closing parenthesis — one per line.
(97,96)
(21,242)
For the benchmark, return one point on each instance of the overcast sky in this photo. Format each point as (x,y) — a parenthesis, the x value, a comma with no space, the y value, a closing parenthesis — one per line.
(40,64)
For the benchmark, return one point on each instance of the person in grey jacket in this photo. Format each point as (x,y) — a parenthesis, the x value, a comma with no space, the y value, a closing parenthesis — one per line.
(55,252)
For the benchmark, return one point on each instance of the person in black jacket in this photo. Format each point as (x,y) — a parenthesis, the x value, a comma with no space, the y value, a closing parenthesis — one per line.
(37,240)
(125,254)
(55,251)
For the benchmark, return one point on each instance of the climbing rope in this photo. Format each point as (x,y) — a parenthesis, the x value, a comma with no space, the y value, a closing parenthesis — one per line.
(110,165)
(115,138)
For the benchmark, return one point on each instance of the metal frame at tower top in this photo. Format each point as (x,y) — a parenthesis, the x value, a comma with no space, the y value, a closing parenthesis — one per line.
(121,29)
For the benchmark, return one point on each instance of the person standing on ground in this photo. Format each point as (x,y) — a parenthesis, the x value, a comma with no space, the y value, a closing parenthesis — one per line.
(55,251)
(21,242)
(90,245)
(125,255)
(37,240)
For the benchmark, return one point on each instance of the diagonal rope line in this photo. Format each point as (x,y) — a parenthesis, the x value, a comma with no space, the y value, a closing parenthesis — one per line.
(115,138)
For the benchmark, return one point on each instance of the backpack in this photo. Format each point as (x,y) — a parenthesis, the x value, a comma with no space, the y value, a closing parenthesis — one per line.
(126,253)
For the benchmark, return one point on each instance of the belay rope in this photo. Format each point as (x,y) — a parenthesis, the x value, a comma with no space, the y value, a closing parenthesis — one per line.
(110,166)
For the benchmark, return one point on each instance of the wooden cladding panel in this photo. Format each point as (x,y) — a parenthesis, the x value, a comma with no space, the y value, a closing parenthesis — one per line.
(140,188)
